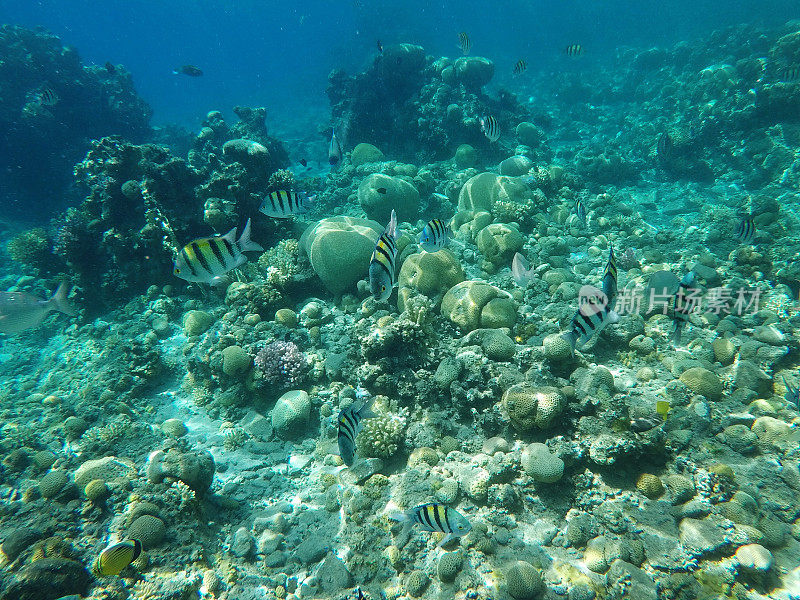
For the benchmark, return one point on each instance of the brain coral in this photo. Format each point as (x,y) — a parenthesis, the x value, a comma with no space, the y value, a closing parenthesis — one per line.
(702,381)
(530,407)
(540,464)
(523,581)
(430,273)
(339,249)
(477,304)
(378,194)
(290,413)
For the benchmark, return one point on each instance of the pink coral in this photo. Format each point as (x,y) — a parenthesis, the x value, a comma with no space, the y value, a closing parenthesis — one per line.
(281,364)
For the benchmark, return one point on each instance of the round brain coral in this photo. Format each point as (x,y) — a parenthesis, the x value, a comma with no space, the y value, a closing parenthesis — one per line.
(523,581)
(539,463)
(530,407)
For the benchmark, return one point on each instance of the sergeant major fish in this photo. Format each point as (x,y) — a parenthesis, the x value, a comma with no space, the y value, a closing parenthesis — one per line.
(580,211)
(283,204)
(382,272)
(746,230)
(490,128)
(435,517)
(206,260)
(20,310)
(683,307)
(610,277)
(434,235)
(591,318)
(349,421)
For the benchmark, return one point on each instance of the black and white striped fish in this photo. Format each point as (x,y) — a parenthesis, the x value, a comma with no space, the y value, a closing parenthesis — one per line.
(746,230)
(490,128)
(283,204)
(434,235)
(45,97)
(683,306)
(349,421)
(520,67)
(382,271)
(435,517)
(464,43)
(580,211)
(610,277)
(206,260)
(573,50)
(592,317)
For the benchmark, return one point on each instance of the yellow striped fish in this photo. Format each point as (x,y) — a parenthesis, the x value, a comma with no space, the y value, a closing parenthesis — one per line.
(520,66)
(283,204)
(116,557)
(206,260)
(435,517)
(382,272)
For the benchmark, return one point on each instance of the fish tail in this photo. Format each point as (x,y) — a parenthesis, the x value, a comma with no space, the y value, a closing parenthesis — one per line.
(406,518)
(245,243)
(392,228)
(366,412)
(59,300)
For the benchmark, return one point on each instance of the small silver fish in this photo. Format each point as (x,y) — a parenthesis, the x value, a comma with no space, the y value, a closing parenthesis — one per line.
(20,311)
(334,150)
(521,270)
(792,395)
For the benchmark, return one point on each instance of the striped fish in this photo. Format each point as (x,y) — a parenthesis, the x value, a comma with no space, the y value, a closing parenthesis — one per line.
(283,204)
(490,128)
(435,517)
(610,277)
(573,50)
(382,272)
(580,211)
(46,97)
(520,67)
(206,260)
(746,230)
(464,43)
(349,425)
(683,307)
(434,235)
(664,147)
(116,557)
(789,74)
(590,319)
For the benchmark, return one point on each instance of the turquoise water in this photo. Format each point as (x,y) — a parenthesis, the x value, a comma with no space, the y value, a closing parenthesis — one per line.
(230,370)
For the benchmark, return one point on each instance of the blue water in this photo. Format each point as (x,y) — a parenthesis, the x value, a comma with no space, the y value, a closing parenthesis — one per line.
(279,54)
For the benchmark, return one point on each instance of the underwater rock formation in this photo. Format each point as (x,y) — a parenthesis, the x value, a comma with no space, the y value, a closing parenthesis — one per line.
(50,106)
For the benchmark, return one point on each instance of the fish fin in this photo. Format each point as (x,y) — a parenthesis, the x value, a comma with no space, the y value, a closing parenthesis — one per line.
(245,243)
(676,334)
(231,235)
(59,301)
(405,533)
(392,228)
(366,412)
(446,539)
(571,339)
